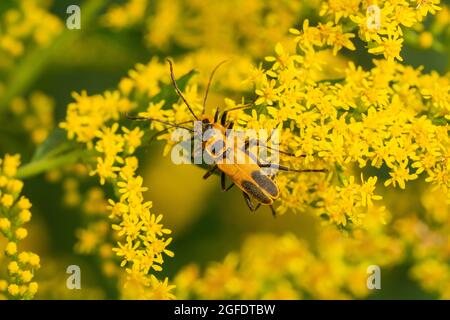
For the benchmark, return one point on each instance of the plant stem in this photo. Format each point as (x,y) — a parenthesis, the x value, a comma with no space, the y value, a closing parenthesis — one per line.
(36,167)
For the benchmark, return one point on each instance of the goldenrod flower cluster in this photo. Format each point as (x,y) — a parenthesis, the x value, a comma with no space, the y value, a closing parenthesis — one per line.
(210,32)
(14,213)
(380,131)
(383,32)
(35,115)
(334,265)
(140,238)
(200,25)
(286,267)
(25,25)
(391,117)
(387,117)
(429,241)
(125,15)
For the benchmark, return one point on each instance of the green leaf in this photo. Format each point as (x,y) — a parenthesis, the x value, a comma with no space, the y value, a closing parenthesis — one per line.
(331,81)
(34,168)
(440,121)
(56,143)
(168,92)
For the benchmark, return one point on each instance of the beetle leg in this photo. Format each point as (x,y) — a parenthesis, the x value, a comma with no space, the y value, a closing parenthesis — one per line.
(216,116)
(290,154)
(223,118)
(278,150)
(284,168)
(210,171)
(173,125)
(249,202)
(274,213)
(154,136)
(223,182)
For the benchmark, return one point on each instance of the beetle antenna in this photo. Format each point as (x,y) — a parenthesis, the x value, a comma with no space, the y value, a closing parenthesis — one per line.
(160,121)
(209,84)
(172,76)
(153,137)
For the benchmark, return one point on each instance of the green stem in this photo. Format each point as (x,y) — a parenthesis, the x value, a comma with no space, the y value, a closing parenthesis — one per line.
(36,167)
(23,76)
(340,174)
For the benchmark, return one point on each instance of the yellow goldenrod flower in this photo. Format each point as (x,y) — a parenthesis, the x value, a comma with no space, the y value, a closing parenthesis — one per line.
(7,200)
(400,175)
(121,16)
(33,288)
(161,289)
(427,6)
(13,267)
(132,138)
(426,40)
(35,115)
(21,233)
(14,212)
(34,260)
(13,289)
(26,276)
(11,248)
(390,47)
(24,257)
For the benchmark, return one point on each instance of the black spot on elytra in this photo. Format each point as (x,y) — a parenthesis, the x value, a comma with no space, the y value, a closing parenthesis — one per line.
(255,192)
(265,183)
